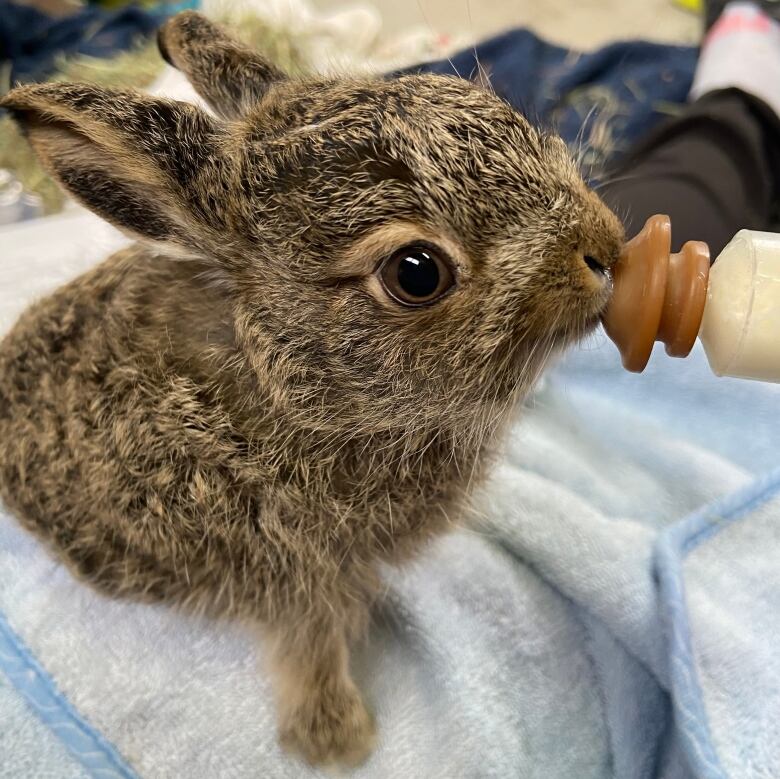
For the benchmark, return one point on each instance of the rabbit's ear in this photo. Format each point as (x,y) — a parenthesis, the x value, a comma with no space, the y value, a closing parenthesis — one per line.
(141,163)
(230,77)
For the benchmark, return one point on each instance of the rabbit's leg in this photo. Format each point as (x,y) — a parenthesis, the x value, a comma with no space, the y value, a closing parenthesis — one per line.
(321,713)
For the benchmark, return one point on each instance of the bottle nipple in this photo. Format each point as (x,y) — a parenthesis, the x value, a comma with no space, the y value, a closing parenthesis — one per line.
(657,296)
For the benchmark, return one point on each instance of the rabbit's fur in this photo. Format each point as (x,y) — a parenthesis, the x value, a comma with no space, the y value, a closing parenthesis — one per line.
(232,413)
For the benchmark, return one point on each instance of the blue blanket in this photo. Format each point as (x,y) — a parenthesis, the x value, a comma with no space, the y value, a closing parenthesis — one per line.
(613,615)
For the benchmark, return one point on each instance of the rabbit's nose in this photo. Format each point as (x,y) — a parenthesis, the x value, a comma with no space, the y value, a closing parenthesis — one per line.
(595,265)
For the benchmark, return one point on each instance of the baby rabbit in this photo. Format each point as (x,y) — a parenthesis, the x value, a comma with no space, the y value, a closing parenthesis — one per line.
(340,291)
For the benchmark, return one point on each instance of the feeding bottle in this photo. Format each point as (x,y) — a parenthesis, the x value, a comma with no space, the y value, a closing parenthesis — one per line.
(733,307)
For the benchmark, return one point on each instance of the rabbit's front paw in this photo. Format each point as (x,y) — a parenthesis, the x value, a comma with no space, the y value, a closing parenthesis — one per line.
(330,728)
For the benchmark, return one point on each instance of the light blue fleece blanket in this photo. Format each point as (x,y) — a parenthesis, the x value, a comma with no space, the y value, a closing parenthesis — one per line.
(616,614)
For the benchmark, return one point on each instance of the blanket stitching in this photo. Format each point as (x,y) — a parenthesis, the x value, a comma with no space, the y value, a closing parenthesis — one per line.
(26,674)
(672,547)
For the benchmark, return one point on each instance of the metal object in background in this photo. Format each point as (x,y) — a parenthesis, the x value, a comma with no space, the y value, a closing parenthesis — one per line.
(16,204)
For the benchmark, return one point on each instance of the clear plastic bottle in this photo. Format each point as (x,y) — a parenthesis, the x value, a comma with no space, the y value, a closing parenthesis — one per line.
(740,329)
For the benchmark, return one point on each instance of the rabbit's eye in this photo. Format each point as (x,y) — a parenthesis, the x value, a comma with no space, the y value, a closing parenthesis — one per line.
(416,276)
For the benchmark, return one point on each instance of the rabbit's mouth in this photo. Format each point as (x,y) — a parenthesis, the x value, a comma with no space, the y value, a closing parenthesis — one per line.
(597,304)
(582,322)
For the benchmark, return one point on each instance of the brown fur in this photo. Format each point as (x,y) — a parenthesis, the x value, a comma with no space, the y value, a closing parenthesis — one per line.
(232,414)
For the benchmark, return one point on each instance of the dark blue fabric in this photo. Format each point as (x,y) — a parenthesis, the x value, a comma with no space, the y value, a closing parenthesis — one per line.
(633,84)
(31,41)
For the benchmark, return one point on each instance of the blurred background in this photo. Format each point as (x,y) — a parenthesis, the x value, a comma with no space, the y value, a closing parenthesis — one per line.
(581,24)
(600,105)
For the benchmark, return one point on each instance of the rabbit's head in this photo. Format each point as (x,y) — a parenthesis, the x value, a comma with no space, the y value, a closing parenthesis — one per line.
(397,253)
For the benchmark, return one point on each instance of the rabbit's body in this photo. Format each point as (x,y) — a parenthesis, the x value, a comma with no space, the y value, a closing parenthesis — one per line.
(343,290)
(139,441)
(140,444)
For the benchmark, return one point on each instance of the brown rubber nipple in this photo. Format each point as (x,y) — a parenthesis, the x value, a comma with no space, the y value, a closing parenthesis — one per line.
(657,296)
